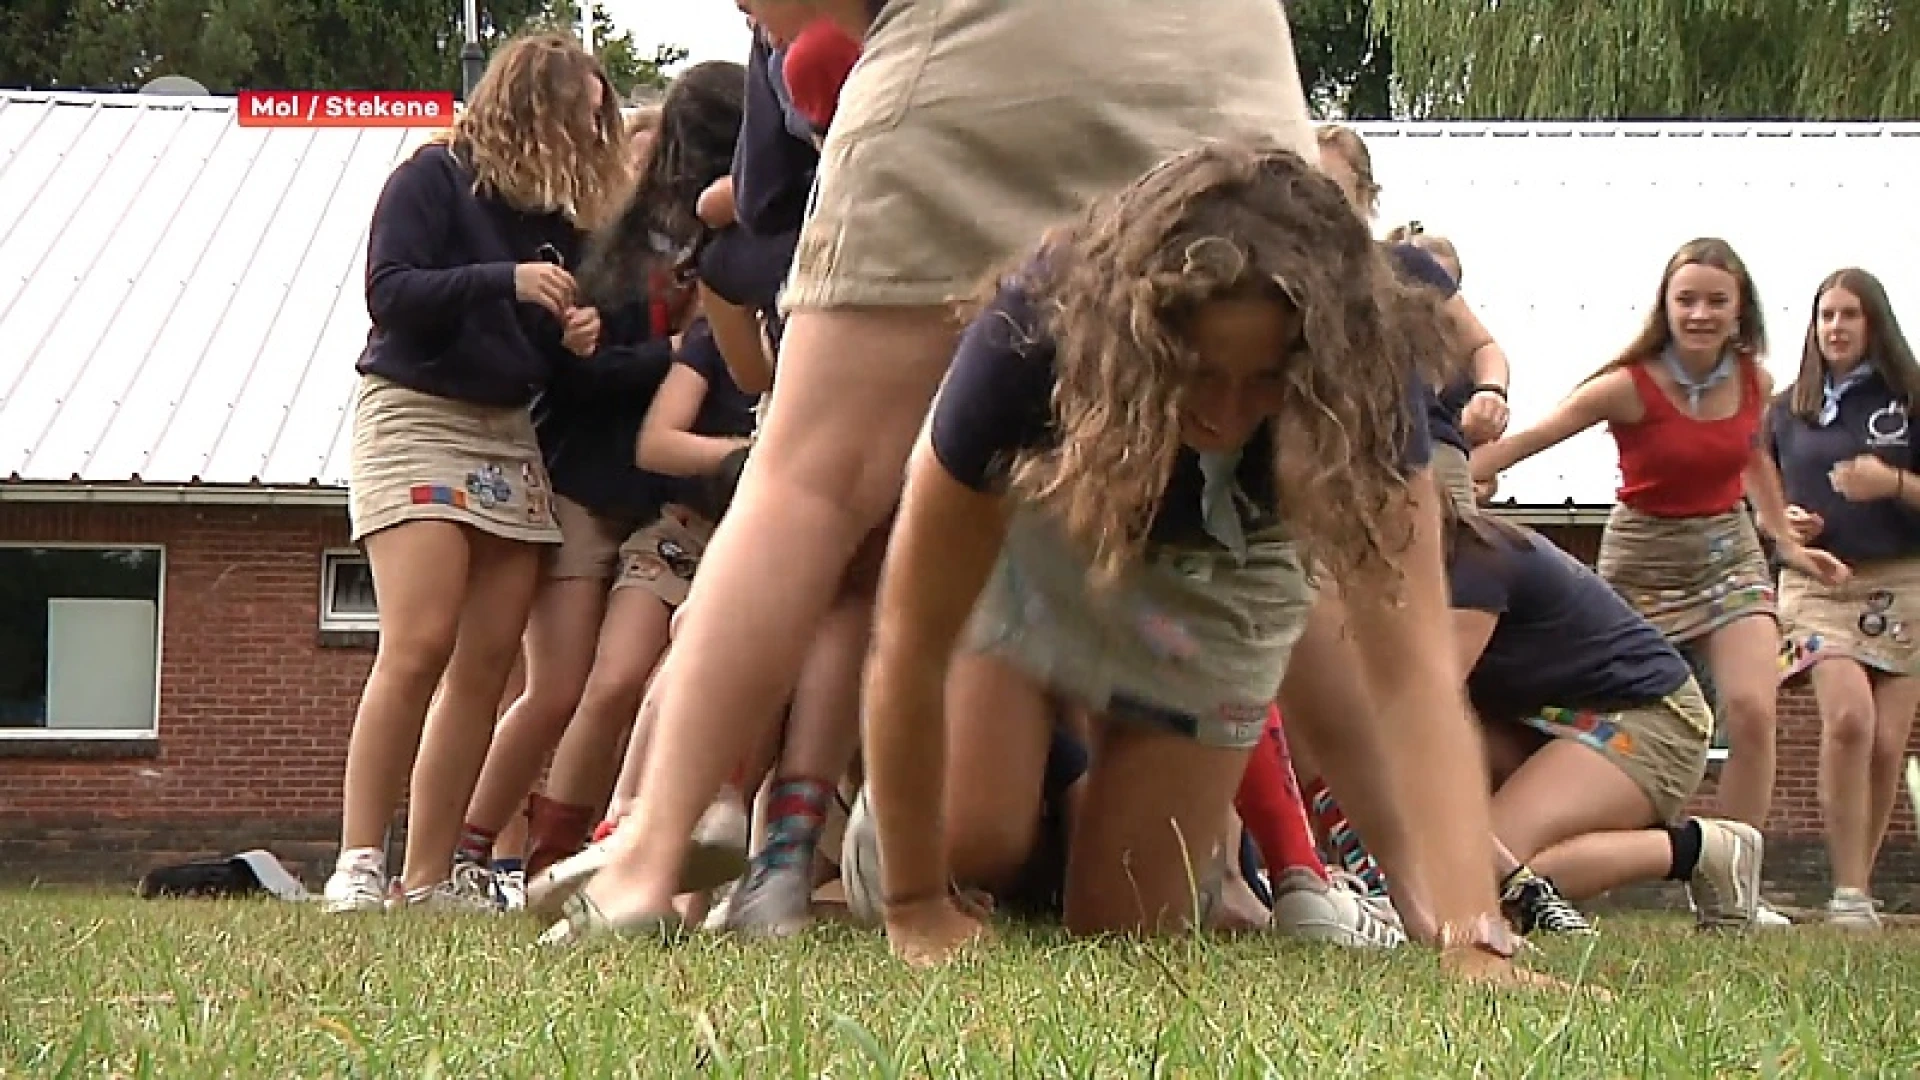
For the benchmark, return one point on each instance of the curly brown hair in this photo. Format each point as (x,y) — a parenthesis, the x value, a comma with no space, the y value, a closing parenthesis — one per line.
(1116,292)
(533,140)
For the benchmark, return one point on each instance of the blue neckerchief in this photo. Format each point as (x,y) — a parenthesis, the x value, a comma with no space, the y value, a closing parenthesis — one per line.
(1697,389)
(1219,502)
(1832,392)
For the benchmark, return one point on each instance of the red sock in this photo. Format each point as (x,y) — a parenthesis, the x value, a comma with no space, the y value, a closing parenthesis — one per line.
(1269,803)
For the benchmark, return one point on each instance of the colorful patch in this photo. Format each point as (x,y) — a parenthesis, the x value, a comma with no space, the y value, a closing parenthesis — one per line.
(530,475)
(537,508)
(488,486)
(1597,731)
(1167,637)
(676,556)
(1242,725)
(437,495)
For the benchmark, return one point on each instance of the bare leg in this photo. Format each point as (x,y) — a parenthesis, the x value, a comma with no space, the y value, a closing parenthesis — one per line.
(501,582)
(421,569)
(849,399)
(1744,657)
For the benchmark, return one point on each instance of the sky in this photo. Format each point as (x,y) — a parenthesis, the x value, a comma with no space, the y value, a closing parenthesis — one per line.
(707,29)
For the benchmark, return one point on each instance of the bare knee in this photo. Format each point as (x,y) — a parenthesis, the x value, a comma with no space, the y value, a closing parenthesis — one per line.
(415,655)
(1848,726)
(1750,716)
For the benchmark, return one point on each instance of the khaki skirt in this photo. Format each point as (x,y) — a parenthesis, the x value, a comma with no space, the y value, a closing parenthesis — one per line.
(1687,576)
(971,127)
(1874,619)
(662,557)
(1190,640)
(417,457)
(1454,476)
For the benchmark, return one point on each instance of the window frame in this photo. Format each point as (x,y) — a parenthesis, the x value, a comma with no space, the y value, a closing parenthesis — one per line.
(148,734)
(332,620)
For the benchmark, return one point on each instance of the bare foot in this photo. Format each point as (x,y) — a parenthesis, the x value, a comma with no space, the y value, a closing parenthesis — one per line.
(930,933)
(1238,910)
(1478,966)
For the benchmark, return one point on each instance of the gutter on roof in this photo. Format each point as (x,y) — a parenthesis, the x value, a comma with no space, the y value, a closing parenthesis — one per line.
(1553,515)
(175,494)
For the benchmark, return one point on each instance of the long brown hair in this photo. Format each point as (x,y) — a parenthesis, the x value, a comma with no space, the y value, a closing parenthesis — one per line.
(1116,290)
(1887,349)
(533,140)
(1353,150)
(1750,329)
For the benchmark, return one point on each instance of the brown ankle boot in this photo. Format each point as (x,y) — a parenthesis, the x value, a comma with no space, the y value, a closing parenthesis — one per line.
(555,831)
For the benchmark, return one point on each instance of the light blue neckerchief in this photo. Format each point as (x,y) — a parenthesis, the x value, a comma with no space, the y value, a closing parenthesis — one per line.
(1832,392)
(1697,389)
(1219,502)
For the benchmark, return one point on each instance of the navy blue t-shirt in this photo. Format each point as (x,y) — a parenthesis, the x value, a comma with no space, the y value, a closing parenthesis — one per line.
(1874,421)
(1565,638)
(727,410)
(1444,406)
(997,402)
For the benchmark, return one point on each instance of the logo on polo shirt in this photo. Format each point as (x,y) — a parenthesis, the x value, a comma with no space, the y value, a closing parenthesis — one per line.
(1887,426)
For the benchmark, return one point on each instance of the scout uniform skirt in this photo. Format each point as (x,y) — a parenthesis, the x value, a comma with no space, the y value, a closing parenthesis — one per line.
(1189,640)
(971,127)
(1687,576)
(417,457)
(1874,619)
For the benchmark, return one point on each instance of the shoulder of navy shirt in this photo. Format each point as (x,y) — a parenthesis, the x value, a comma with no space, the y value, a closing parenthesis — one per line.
(772,169)
(996,404)
(588,419)
(1564,638)
(440,287)
(1873,420)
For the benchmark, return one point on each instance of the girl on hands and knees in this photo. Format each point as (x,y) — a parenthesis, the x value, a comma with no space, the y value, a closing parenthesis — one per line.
(1095,504)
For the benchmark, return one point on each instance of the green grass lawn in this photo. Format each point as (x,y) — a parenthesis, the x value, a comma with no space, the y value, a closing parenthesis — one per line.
(98,985)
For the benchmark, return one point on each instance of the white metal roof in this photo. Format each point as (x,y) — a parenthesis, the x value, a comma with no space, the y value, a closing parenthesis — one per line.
(1564,229)
(181,298)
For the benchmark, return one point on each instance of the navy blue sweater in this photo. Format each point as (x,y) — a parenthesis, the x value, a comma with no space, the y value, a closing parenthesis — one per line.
(440,269)
(772,169)
(589,417)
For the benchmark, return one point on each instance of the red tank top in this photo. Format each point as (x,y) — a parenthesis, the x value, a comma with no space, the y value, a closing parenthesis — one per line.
(1672,465)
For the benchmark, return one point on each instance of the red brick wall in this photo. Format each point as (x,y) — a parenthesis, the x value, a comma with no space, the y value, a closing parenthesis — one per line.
(254,713)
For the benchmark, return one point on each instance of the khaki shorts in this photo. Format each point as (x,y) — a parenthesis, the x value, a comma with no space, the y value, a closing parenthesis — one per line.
(417,457)
(590,542)
(1189,641)
(663,556)
(1455,478)
(1662,747)
(971,127)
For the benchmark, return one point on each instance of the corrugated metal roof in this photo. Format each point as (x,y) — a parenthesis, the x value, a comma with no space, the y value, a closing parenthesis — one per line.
(1564,229)
(181,298)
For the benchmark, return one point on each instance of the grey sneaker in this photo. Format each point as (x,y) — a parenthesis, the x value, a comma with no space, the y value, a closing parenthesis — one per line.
(1851,909)
(860,864)
(469,888)
(1725,887)
(772,901)
(1308,908)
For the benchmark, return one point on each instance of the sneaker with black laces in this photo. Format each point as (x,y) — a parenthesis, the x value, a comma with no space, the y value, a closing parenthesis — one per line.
(1535,906)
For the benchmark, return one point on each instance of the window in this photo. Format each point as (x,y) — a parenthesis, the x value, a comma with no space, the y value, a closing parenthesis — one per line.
(346,592)
(79,641)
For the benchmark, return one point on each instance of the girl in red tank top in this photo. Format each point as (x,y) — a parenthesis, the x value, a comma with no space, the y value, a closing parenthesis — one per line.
(1684,404)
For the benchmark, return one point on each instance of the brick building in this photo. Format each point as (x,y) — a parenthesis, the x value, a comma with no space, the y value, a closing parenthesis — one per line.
(184,631)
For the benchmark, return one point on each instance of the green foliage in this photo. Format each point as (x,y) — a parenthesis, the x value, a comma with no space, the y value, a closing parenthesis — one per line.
(1655,59)
(1346,63)
(228,45)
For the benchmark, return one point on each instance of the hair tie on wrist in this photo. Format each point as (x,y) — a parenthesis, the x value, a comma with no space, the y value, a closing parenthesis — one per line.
(1491,388)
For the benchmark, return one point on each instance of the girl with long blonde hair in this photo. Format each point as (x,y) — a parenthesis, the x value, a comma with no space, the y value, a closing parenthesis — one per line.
(474,306)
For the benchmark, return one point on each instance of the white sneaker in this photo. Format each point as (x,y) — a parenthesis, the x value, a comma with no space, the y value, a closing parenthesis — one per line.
(860,864)
(512,887)
(549,890)
(1851,909)
(469,888)
(358,883)
(1306,907)
(1725,887)
(1766,918)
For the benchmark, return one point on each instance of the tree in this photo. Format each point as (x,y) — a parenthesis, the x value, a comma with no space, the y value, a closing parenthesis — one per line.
(1346,62)
(1655,59)
(227,45)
